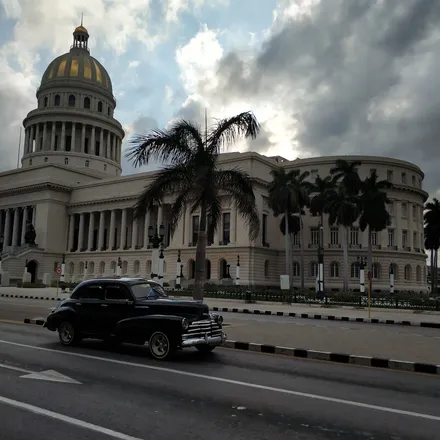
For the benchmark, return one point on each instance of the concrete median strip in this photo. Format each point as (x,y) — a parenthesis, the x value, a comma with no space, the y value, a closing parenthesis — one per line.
(341,358)
(328,317)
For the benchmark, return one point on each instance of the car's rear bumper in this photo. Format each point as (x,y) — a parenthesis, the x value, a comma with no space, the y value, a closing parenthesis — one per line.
(206,340)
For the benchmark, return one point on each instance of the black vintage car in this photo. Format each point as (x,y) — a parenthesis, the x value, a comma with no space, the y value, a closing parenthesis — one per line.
(135,310)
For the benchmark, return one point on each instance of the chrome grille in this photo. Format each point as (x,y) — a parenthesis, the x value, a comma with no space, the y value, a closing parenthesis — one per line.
(198,329)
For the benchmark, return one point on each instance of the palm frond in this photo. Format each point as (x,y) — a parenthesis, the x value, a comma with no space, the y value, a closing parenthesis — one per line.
(228,130)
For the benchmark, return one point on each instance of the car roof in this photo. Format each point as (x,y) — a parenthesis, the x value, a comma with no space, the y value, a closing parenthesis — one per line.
(122,280)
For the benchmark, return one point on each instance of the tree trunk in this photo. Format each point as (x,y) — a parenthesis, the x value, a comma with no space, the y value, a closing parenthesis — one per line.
(432,270)
(321,238)
(345,257)
(301,250)
(435,271)
(199,278)
(370,256)
(286,243)
(291,261)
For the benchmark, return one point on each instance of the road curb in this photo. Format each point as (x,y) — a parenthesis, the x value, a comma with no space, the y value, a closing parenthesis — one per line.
(47,298)
(340,358)
(328,317)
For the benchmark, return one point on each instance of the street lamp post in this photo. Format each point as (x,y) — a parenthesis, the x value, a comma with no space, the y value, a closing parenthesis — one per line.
(161,264)
(155,240)
(361,262)
(119,267)
(391,279)
(320,264)
(86,267)
(63,272)
(178,279)
(237,275)
(228,274)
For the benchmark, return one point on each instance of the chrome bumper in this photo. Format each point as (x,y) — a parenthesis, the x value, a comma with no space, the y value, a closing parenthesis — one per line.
(206,340)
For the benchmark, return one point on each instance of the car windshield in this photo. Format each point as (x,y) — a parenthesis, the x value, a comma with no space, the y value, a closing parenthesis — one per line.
(144,290)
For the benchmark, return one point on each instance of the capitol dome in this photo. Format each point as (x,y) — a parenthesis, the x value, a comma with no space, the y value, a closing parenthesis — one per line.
(77,65)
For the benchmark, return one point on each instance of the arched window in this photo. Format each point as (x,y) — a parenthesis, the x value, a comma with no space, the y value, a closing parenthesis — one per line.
(102,267)
(266,268)
(71,100)
(91,267)
(376,271)
(124,267)
(223,269)
(296,269)
(87,102)
(136,267)
(66,161)
(313,269)
(208,270)
(46,159)
(355,270)
(46,101)
(57,100)
(81,268)
(418,273)
(334,269)
(71,268)
(100,107)
(408,273)
(87,163)
(148,267)
(113,267)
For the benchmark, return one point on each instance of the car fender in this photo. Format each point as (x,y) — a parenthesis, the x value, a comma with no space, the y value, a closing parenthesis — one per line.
(143,326)
(59,315)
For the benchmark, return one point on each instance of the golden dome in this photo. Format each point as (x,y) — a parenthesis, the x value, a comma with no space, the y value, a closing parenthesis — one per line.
(77,65)
(81,29)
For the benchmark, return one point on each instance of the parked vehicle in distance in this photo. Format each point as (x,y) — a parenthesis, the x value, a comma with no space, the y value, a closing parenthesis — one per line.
(137,311)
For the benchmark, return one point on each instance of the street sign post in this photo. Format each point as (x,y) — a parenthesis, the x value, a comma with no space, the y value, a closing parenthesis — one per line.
(58,271)
(369,293)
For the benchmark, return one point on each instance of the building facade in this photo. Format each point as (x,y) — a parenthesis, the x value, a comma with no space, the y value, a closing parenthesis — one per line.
(71,190)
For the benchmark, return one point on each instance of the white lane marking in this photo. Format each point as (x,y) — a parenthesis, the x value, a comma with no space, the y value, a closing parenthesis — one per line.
(233,382)
(49,375)
(67,419)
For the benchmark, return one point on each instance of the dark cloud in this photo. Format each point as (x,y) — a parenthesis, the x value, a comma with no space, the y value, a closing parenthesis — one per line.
(362,76)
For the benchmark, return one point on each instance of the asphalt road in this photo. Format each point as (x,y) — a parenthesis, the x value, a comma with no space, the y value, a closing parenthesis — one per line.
(415,344)
(124,394)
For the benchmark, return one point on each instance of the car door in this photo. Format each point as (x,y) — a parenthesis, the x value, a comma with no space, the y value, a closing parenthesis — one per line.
(87,304)
(118,304)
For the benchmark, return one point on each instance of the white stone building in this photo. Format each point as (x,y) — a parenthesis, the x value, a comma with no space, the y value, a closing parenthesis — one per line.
(70,187)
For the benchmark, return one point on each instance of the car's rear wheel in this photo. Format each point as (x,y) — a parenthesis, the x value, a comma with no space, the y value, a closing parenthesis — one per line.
(68,334)
(205,348)
(161,346)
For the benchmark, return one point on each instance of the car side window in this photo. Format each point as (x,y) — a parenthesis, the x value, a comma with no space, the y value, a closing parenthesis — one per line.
(90,292)
(113,293)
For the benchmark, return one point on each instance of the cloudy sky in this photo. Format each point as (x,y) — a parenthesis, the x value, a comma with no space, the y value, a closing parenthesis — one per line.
(323,77)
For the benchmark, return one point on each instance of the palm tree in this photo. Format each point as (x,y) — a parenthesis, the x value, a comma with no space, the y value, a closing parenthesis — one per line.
(343,209)
(432,237)
(321,189)
(194,176)
(374,213)
(347,174)
(288,194)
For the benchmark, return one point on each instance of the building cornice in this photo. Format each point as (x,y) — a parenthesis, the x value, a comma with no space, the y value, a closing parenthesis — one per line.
(44,186)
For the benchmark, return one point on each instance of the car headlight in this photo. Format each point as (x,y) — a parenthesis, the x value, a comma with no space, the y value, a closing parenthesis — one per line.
(217,318)
(185,324)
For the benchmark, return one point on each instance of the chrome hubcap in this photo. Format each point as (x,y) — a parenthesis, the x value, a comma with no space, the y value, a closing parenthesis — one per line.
(66,332)
(159,344)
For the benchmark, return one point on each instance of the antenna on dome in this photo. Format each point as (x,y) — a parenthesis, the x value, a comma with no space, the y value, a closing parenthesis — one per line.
(82,18)
(19,148)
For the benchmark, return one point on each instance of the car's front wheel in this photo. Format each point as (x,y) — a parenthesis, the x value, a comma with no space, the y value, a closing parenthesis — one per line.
(161,346)
(68,334)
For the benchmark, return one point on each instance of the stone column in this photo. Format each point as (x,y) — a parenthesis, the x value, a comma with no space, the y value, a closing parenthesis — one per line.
(398,229)
(83,138)
(52,137)
(410,226)
(73,136)
(26,141)
(1,223)
(108,146)
(112,229)
(63,137)
(43,147)
(81,232)
(15,227)
(31,139)
(134,234)
(93,141)
(71,233)
(91,230)
(37,137)
(7,227)
(101,230)
(114,148)
(23,225)
(123,230)
(101,143)
(147,221)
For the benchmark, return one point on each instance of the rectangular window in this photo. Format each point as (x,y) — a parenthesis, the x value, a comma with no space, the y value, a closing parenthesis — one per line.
(264,230)
(354,236)
(226,233)
(56,143)
(86,145)
(334,235)
(296,239)
(415,239)
(374,238)
(414,212)
(404,210)
(390,175)
(195,228)
(404,178)
(390,237)
(413,180)
(68,143)
(97,148)
(404,238)
(314,235)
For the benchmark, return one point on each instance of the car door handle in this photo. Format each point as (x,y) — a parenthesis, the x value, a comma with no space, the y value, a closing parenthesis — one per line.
(77,304)
(104,305)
